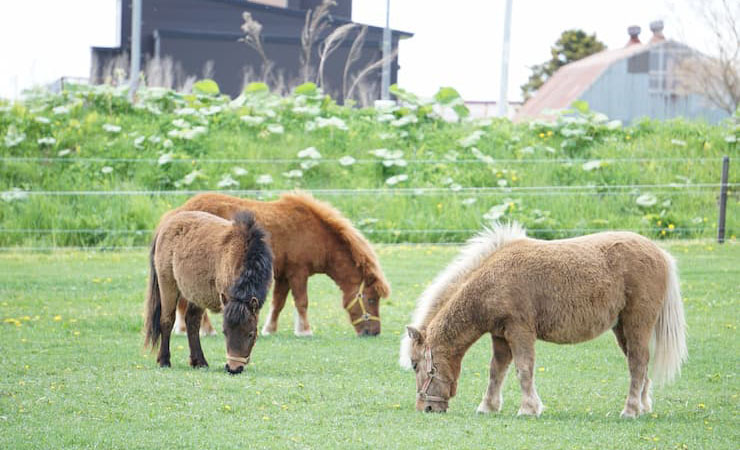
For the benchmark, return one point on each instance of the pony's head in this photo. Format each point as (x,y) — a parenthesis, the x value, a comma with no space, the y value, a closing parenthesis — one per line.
(240,328)
(436,380)
(247,294)
(363,308)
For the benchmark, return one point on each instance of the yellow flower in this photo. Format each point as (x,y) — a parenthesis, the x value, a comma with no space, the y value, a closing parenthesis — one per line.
(660,222)
(57,318)
(671,226)
(628,137)
(439,206)
(549,132)
(542,135)
(707,145)
(514,178)
(662,232)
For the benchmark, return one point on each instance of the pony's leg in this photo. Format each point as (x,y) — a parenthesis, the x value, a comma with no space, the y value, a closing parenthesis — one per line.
(298,285)
(500,361)
(522,348)
(279,294)
(206,327)
(170,295)
(636,338)
(646,401)
(182,306)
(193,317)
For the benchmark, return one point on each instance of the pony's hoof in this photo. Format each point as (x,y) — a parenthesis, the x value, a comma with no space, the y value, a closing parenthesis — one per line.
(531,410)
(266,331)
(210,332)
(646,407)
(628,414)
(305,333)
(485,408)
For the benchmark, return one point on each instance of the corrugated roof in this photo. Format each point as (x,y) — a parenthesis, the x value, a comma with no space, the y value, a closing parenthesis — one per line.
(570,81)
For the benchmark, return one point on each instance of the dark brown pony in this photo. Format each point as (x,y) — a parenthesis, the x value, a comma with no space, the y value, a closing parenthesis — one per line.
(567,291)
(309,237)
(216,264)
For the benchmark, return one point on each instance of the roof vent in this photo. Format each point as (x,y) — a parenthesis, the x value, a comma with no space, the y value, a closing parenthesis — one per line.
(657,28)
(634,32)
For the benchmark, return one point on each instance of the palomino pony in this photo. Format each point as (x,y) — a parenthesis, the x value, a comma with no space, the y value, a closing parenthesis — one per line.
(308,237)
(215,264)
(565,291)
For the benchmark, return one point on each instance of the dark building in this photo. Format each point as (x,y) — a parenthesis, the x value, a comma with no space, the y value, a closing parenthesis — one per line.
(197,36)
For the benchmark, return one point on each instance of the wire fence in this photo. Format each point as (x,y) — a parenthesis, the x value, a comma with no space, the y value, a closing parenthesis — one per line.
(276,161)
(597,190)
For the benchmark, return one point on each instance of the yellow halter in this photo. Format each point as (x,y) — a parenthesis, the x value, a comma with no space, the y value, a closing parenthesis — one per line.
(365,317)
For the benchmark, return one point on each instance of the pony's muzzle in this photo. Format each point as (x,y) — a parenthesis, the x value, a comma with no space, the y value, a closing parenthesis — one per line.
(235,364)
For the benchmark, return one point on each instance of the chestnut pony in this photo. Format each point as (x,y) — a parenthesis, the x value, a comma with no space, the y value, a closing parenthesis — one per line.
(309,237)
(565,291)
(216,264)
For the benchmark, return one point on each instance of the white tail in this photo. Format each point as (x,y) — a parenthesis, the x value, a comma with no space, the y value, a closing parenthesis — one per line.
(670,330)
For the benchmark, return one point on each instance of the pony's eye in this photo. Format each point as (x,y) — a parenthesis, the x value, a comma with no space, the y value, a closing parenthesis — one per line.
(413,364)
(251,335)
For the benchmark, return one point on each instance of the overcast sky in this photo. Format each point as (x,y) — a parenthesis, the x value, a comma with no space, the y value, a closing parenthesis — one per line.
(456,43)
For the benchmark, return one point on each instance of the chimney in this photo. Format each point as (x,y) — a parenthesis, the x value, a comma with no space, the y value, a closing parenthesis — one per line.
(656,27)
(634,32)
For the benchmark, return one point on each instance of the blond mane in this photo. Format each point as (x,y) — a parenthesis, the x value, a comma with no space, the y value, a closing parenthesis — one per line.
(476,249)
(360,249)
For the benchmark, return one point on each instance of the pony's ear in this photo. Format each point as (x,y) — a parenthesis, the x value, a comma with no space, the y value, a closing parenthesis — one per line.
(254,305)
(415,334)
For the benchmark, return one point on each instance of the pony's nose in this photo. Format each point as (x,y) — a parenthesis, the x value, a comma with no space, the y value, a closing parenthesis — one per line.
(235,371)
(428,408)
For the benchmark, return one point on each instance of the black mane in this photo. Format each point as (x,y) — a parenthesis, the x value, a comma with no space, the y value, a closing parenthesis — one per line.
(254,280)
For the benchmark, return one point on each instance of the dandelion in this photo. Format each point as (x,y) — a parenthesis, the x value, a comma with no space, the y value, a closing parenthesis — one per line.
(628,137)
(110,128)
(671,226)
(542,135)
(57,318)
(549,133)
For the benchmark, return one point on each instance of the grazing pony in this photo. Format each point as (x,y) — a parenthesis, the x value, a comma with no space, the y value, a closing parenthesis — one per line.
(565,291)
(216,264)
(308,237)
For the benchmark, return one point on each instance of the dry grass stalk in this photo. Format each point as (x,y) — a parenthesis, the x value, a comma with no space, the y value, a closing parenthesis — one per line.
(369,68)
(253,37)
(317,21)
(329,45)
(355,52)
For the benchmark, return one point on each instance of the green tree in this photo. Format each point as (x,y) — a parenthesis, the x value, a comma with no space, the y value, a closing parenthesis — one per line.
(572,45)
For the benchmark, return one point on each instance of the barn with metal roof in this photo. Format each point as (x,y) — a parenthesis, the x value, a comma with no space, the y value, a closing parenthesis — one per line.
(627,83)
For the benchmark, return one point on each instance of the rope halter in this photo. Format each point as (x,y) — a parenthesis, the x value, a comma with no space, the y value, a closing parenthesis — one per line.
(244,361)
(431,371)
(359,299)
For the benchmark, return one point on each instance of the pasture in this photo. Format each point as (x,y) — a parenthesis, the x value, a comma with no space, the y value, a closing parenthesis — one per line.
(73,373)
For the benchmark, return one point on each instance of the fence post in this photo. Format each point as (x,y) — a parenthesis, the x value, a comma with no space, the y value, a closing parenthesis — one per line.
(723,200)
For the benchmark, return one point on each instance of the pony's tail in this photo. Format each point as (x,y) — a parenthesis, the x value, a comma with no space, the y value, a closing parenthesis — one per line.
(670,330)
(152,330)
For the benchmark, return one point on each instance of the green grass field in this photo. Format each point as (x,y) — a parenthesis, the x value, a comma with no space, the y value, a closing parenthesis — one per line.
(73,373)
